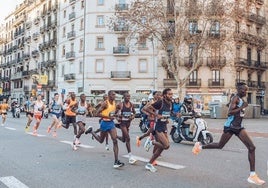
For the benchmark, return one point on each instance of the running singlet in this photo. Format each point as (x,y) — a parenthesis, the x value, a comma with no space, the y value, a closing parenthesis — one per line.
(81,113)
(235,120)
(165,110)
(109,111)
(38,108)
(69,111)
(28,105)
(4,108)
(126,112)
(56,107)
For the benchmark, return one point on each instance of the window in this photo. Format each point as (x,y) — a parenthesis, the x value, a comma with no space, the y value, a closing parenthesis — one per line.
(64,14)
(72,46)
(191,50)
(143,20)
(63,50)
(99,66)
(193,76)
(100,21)
(193,27)
(81,45)
(100,2)
(62,70)
(237,27)
(82,4)
(143,66)
(100,43)
(215,27)
(215,75)
(63,32)
(82,24)
(142,43)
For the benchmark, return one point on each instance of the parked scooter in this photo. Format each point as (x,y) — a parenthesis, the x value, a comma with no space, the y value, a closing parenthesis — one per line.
(17,111)
(45,113)
(144,124)
(180,131)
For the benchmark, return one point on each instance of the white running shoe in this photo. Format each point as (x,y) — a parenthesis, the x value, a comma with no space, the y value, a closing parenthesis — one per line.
(131,160)
(148,144)
(150,167)
(74,147)
(107,147)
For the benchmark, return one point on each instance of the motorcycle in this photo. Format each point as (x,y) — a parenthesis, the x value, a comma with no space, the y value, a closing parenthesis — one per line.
(144,124)
(45,113)
(17,111)
(180,131)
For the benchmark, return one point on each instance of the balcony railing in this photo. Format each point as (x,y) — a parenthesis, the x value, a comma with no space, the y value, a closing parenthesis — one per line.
(70,55)
(71,35)
(120,74)
(256,18)
(26,74)
(69,77)
(221,34)
(72,16)
(188,62)
(120,28)
(215,83)
(193,83)
(252,84)
(16,76)
(250,39)
(121,7)
(170,83)
(121,50)
(51,63)
(216,62)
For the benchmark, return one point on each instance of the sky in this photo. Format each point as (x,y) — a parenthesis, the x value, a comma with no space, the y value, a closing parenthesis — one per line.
(6,7)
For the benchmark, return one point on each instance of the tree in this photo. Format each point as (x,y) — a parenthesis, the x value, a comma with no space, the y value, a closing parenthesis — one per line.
(186,32)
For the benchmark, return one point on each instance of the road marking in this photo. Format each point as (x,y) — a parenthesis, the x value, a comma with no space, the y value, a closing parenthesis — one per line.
(159,163)
(12,182)
(11,128)
(80,145)
(239,150)
(39,135)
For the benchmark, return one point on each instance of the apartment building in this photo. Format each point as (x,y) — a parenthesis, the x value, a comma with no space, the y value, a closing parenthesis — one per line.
(94,58)
(235,51)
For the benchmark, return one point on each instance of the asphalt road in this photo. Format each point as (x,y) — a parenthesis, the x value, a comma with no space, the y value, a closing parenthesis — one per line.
(45,161)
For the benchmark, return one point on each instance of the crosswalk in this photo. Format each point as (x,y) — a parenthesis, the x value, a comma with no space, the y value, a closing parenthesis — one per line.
(12,182)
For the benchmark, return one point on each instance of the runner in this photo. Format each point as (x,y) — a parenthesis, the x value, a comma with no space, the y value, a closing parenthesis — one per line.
(56,110)
(105,97)
(70,113)
(4,107)
(107,112)
(29,113)
(125,117)
(81,114)
(39,106)
(233,125)
(163,109)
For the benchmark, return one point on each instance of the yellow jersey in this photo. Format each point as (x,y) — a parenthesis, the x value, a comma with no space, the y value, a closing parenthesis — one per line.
(109,111)
(69,111)
(4,107)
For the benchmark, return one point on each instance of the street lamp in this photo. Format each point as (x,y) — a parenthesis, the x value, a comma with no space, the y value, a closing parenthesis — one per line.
(154,68)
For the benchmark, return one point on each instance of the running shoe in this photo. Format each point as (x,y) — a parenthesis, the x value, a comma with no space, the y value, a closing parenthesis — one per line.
(89,130)
(255,180)
(35,132)
(3,124)
(54,134)
(76,141)
(107,147)
(150,167)
(138,141)
(148,144)
(118,164)
(27,128)
(131,160)
(74,147)
(197,148)
(48,129)
(154,163)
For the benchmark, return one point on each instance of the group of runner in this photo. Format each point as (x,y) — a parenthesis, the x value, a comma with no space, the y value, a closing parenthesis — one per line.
(120,115)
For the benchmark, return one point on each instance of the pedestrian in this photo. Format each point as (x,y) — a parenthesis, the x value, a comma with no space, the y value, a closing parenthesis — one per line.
(39,107)
(233,125)
(161,111)
(126,115)
(107,112)
(28,106)
(56,110)
(4,107)
(81,114)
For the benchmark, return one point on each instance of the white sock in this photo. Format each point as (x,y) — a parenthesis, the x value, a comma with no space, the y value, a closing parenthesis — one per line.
(129,155)
(252,173)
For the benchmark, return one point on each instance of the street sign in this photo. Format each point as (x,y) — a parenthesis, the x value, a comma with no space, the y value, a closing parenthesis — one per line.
(63,91)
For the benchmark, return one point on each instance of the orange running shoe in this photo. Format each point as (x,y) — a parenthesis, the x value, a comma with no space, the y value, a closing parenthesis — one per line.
(255,180)
(138,141)
(197,148)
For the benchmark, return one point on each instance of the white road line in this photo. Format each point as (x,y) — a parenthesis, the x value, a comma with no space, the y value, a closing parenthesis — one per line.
(39,135)
(11,128)
(159,163)
(12,182)
(80,145)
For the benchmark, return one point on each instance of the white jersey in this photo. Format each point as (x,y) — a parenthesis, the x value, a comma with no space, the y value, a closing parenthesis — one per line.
(81,113)
(38,108)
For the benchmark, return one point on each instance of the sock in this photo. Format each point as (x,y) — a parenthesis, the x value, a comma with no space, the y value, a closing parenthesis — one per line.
(129,155)
(252,173)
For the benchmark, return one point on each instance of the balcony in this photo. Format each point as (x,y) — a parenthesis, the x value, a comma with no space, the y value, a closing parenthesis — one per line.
(26,57)
(193,83)
(35,36)
(251,65)
(192,35)
(72,1)
(70,55)
(121,50)
(121,28)
(212,83)
(170,83)
(71,35)
(216,62)
(16,76)
(250,39)
(28,39)
(35,53)
(252,84)
(19,20)
(260,20)
(43,29)
(218,35)
(71,16)
(53,43)
(26,74)
(55,8)
(125,75)
(36,20)
(51,63)
(121,7)
(28,25)
(69,77)
(188,62)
